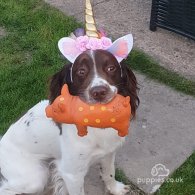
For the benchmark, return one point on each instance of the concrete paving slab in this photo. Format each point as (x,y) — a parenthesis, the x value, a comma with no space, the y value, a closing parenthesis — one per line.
(95,186)
(163,133)
(93,183)
(72,8)
(174,51)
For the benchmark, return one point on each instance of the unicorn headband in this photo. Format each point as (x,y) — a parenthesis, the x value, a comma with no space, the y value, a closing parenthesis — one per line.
(92,39)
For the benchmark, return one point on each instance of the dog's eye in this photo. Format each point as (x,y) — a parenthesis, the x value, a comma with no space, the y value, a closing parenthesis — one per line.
(110,68)
(81,72)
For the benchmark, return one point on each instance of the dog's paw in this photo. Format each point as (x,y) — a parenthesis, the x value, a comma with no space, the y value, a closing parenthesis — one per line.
(119,189)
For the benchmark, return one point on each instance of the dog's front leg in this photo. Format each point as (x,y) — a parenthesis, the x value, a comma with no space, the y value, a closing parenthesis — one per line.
(73,165)
(74,183)
(108,176)
(73,170)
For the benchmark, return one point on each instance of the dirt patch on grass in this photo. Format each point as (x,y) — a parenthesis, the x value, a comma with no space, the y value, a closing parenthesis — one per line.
(3,32)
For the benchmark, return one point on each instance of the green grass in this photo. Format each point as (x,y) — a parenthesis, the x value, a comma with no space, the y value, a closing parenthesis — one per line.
(187,187)
(145,64)
(120,176)
(29,56)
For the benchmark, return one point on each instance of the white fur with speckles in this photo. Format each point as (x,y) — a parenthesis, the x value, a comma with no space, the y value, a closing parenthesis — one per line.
(25,148)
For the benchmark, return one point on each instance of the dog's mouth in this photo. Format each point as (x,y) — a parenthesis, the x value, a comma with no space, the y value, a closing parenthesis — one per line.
(104,101)
(87,98)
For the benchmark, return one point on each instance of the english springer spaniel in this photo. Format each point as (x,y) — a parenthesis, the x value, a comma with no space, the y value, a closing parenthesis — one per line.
(33,154)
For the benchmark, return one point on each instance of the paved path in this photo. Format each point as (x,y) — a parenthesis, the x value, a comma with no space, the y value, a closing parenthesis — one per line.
(164,131)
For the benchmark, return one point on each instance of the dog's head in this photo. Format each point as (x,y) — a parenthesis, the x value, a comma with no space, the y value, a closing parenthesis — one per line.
(96,76)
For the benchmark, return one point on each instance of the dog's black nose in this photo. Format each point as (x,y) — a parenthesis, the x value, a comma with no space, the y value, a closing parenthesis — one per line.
(99,92)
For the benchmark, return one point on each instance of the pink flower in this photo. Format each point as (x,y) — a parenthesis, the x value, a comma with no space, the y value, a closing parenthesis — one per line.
(94,44)
(84,42)
(81,43)
(106,42)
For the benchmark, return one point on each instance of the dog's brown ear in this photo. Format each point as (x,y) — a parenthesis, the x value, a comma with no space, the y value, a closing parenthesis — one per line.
(57,81)
(130,88)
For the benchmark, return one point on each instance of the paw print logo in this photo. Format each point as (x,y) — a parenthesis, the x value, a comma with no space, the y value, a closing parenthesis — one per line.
(160,170)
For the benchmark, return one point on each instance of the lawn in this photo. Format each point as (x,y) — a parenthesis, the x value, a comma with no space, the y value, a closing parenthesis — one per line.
(29,56)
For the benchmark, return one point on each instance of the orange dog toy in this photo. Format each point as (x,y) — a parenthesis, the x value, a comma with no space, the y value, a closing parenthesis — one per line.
(71,110)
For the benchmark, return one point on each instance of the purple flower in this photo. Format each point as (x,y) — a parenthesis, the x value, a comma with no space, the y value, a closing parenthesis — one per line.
(79,32)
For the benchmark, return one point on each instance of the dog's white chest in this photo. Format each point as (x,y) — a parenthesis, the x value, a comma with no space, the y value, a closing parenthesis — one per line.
(96,144)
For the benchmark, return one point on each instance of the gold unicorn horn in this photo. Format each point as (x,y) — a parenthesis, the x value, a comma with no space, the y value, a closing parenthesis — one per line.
(91,29)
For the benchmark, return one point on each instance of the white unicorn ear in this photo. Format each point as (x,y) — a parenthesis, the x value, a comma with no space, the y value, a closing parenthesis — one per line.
(68,48)
(121,47)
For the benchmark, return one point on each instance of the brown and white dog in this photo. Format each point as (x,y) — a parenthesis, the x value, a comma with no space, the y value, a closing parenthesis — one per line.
(33,154)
